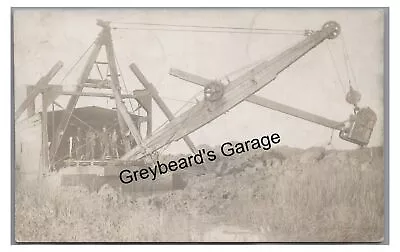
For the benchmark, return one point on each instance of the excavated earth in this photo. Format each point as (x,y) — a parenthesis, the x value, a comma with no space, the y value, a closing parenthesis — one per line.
(284,194)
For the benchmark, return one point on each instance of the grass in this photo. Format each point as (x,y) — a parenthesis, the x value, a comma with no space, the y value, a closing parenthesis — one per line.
(334,199)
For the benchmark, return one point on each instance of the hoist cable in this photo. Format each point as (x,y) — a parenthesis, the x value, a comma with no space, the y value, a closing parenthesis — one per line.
(187,102)
(253,64)
(208,31)
(336,69)
(174,99)
(209,27)
(348,62)
(331,138)
(261,62)
(179,110)
(76,63)
(123,81)
(347,67)
(98,70)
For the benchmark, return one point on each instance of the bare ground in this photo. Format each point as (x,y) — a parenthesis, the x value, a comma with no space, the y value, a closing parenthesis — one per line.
(278,195)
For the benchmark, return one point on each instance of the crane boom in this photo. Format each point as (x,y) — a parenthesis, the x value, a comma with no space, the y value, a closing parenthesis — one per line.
(235,92)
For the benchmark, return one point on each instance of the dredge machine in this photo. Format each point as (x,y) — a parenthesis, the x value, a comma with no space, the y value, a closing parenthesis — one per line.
(218,99)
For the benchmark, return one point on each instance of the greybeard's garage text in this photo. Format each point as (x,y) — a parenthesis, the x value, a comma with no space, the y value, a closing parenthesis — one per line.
(227,149)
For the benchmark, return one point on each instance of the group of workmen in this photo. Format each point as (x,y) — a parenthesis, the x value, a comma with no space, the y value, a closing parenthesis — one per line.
(86,145)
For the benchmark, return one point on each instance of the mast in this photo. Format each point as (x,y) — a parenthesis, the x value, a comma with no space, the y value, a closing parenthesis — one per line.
(104,39)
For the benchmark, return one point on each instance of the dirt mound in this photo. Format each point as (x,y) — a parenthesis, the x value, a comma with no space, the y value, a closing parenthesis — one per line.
(279,195)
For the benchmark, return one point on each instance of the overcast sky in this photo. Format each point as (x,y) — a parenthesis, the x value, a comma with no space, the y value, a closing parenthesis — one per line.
(41,38)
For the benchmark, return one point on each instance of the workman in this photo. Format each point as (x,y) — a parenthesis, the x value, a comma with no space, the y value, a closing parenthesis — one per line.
(105,142)
(79,143)
(114,143)
(90,144)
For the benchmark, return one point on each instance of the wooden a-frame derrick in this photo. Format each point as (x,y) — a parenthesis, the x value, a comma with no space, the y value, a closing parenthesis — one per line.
(127,126)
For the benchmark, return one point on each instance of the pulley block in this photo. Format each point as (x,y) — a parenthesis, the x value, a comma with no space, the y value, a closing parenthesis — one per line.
(213,91)
(353,97)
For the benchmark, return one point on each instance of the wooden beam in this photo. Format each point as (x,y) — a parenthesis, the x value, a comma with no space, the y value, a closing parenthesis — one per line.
(141,92)
(42,83)
(264,102)
(45,136)
(58,90)
(94,83)
(30,109)
(234,93)
(117,89)
(112,96)
(193,78)
(154,93)
(97,82)
(255,99)
(145,102)
(74,99)
(97,86)
(53,129)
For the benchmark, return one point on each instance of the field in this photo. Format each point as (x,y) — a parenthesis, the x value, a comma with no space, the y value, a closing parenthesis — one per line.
(283,194)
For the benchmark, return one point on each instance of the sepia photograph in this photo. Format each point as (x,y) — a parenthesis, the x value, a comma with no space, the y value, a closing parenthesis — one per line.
(199,125)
